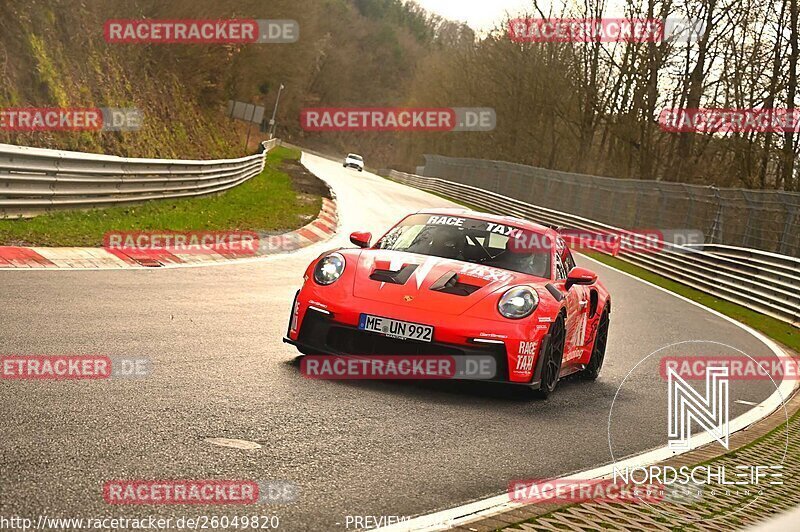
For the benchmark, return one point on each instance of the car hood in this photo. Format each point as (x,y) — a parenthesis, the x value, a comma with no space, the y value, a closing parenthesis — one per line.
(429,283)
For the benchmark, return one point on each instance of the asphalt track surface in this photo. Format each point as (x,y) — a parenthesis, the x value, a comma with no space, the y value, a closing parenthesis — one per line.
(221,370)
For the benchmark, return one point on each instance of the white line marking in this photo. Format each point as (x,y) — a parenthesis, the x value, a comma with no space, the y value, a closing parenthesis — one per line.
(233,443)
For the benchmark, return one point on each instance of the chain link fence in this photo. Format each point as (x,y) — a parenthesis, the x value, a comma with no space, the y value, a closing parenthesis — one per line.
(765,220)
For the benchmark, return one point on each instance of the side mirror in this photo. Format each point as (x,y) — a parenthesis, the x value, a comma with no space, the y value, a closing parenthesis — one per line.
(580,276)
(361,239)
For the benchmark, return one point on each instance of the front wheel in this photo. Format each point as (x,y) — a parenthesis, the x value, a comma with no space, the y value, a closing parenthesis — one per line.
(551,364)
(595,364)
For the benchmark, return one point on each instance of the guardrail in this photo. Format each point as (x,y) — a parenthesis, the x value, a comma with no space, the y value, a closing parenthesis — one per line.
(767,287)
(34,181)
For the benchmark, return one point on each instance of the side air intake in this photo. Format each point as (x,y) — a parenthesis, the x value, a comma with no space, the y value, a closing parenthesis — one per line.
(396,277)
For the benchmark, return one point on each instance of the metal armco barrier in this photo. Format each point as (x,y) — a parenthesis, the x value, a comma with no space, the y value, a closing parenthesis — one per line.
(34,181)
(762,219)
(765,282)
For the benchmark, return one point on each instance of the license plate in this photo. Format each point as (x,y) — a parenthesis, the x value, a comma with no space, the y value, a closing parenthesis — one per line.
(396,328)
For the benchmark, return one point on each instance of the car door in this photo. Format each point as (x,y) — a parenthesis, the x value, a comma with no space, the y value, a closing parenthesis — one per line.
(577,300)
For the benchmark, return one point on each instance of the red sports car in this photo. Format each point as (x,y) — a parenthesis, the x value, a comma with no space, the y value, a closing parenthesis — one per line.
(452,282)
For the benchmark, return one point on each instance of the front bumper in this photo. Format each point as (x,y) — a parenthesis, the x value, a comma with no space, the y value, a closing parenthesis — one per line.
(315,331)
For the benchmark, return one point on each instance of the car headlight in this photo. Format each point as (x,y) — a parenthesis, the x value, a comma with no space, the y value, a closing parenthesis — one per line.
(329,269)
(518,302)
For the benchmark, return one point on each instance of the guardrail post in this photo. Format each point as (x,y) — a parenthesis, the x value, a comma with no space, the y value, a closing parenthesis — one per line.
(637,213)
(690,211)
(791,217)
(716,228)
(662,205)
(748,226)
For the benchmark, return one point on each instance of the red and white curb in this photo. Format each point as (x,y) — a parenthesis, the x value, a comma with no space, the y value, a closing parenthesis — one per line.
(36,258)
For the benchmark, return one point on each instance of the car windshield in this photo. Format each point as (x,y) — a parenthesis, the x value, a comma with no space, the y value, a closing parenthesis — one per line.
(476,241)
(354,156)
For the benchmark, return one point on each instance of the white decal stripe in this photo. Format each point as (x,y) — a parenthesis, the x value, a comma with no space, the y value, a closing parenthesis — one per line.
(423,271)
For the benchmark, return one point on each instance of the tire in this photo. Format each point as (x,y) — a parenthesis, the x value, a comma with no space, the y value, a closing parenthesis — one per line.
(360,169)
(595,364)
(551,365)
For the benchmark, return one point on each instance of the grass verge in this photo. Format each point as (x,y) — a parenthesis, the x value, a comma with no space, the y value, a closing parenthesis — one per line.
(270,202)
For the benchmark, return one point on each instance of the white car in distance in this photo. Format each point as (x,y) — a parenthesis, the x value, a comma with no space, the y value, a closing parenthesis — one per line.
(354,161)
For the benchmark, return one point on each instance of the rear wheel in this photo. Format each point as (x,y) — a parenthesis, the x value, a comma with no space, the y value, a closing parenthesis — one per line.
(595,364)
(551,365)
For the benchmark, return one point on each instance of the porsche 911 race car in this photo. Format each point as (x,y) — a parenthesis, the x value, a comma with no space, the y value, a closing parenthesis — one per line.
(452,282)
